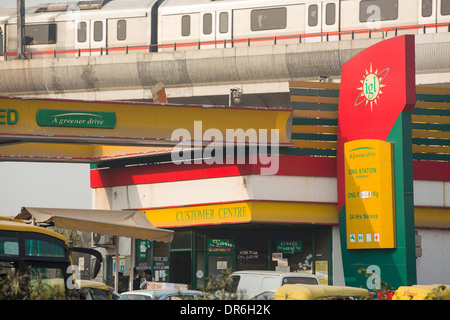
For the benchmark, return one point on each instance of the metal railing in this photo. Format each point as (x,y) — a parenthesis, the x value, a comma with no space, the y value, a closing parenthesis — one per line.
(230,43)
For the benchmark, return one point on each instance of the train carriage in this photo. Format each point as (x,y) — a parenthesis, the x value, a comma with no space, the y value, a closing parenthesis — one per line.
(209,24)
(118,27)
(5,15)
(110,29)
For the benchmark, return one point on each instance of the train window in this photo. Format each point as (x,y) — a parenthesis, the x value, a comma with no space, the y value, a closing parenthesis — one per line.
(378,10)
(223,22)
(427,8)
(268,19)
(313,13)
(121,30)
(330,17)
(40,34)
(185,26)
(207,23)
(445,7)
(98,30)
(1,42)
(82,32)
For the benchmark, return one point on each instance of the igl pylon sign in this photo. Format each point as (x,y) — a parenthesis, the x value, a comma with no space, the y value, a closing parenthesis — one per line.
(374,156)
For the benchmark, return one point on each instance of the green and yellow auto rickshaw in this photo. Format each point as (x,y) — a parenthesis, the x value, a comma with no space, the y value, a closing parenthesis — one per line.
(319,292)
(423,292)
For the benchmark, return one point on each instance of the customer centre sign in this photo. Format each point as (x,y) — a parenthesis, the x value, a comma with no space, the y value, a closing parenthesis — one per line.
(370,214)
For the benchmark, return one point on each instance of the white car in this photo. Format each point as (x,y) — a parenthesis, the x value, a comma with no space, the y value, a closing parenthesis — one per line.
(162,295)
(253,282)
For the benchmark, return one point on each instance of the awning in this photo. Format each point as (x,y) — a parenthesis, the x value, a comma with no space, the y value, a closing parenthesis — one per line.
(132,224)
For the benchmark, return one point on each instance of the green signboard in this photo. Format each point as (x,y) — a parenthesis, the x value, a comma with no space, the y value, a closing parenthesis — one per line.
(77,119)
(289,246)
(143,245)
(220,243)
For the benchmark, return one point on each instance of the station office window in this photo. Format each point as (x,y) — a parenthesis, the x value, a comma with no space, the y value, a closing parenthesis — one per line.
(251,252)
(292,249)
(378,10)
(40,34)
(268,19)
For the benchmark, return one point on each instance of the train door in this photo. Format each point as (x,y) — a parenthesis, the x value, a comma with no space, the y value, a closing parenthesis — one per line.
(82,37)
(443,14)
(207,30)
(322,21)
(223,28)
(98,36)
(427,15)
(313,22)
(330,20)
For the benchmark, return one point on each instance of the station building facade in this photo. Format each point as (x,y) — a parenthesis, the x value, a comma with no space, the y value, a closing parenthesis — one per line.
(232,216)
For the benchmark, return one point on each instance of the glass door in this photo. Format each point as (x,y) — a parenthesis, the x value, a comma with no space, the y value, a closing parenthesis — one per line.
(220,255)
(219,263)
(180,267)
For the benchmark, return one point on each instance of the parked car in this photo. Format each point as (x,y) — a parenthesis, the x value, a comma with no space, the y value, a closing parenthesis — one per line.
(162,295)
(266,295)
(248,284)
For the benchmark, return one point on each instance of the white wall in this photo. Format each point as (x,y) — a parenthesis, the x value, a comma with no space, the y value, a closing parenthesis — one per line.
(338,267)
(433,267)
(228,189)
(431,193)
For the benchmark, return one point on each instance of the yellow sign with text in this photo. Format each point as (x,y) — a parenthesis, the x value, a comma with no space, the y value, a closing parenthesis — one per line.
(243,212)
(200,215)
(369,191)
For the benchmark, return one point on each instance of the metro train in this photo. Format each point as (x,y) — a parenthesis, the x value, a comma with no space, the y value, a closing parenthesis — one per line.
(118,26)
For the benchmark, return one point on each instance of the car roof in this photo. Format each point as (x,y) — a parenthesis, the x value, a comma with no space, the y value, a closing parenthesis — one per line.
(21,226)
(269,272)
(94,284)
(158,293)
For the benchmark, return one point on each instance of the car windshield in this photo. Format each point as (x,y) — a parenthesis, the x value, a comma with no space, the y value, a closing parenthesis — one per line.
(264,296)
(134,296)
(232,286)
(299,280)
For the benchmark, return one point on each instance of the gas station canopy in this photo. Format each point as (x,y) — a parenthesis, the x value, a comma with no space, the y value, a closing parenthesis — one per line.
(133,224)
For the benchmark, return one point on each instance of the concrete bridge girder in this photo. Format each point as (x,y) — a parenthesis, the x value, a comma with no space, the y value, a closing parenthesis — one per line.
(130,76)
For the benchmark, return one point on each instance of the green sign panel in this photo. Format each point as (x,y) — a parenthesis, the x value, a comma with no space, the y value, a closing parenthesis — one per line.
(77,119)
(289,246)
(220,243)
(143,245)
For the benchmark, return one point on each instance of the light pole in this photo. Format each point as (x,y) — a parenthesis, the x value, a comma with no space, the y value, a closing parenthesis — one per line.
(21,29)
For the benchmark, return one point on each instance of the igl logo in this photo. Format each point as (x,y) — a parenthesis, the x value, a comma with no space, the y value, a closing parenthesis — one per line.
(371,87)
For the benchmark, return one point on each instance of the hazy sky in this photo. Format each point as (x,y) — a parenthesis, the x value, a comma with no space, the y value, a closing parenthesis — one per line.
(52,185)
